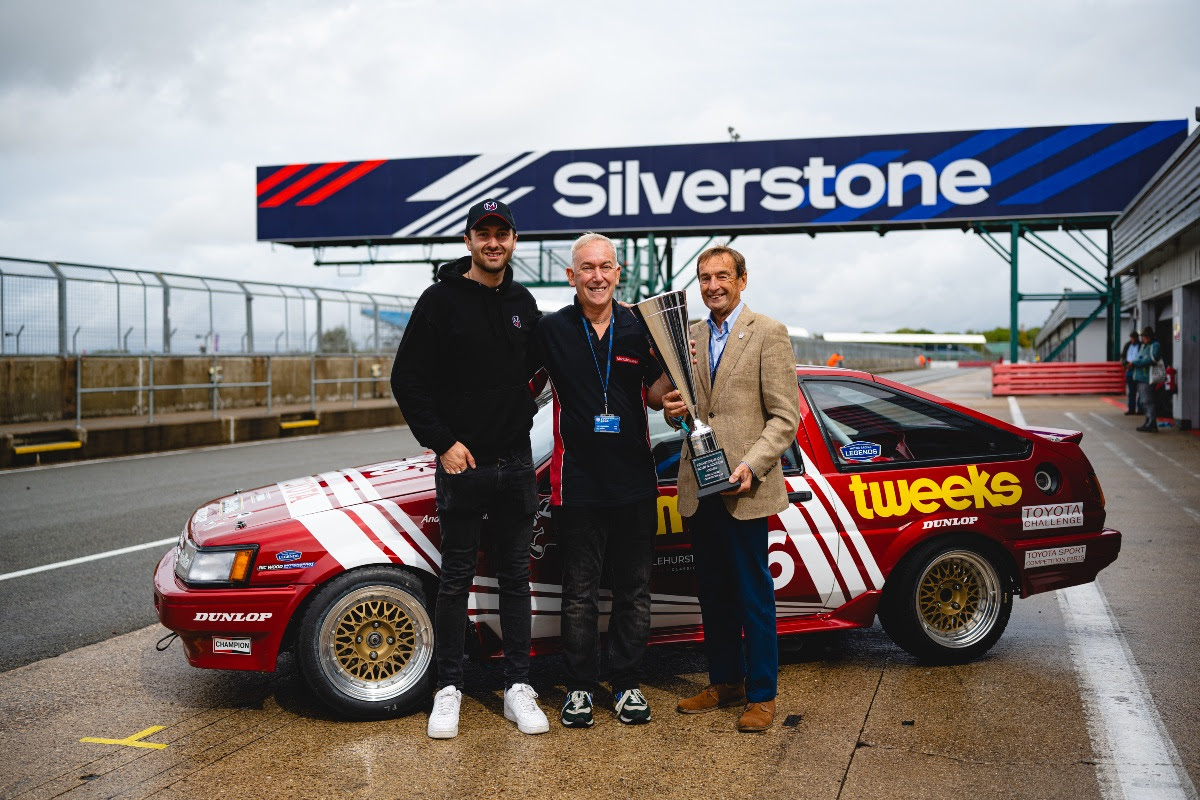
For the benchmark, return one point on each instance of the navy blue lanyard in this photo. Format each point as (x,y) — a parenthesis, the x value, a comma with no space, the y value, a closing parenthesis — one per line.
(608,371)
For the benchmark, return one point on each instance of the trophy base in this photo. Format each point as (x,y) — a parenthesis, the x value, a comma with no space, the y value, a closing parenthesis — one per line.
(712,473)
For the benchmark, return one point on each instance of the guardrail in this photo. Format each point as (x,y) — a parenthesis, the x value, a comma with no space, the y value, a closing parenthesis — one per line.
(1096,377)
(215,383)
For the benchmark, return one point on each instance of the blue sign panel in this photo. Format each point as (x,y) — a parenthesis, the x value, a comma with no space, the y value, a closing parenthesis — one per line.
(906,180)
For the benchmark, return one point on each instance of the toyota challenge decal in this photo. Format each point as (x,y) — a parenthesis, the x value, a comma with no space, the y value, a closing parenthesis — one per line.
(978,489)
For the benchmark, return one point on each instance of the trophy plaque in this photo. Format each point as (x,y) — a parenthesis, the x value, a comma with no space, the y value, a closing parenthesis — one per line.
(666,320)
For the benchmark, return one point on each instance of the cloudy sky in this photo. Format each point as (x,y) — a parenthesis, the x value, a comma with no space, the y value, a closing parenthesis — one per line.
(130,131)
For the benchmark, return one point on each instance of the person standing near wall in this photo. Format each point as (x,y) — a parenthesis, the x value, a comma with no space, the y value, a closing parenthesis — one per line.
(1128,353)
(1147,355)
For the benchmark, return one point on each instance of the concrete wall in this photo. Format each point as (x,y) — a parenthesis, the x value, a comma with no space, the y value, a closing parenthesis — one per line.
(39,388)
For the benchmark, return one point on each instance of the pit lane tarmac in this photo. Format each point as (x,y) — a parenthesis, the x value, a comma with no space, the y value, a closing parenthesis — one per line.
(857,717)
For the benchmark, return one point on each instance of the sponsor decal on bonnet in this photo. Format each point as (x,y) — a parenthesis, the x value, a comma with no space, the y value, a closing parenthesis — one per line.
(1060,515)
(1073,554)
(231,505)
(239,647)
(288,555)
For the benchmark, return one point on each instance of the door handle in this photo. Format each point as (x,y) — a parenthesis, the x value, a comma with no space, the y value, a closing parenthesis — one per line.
(799,497)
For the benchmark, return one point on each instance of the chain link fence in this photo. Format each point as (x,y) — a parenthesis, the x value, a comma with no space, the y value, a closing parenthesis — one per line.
(64,309)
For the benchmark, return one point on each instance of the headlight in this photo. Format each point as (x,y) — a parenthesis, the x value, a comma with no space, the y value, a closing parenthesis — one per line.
(214,566)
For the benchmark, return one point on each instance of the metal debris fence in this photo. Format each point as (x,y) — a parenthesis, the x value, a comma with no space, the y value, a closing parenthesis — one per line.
(61,308)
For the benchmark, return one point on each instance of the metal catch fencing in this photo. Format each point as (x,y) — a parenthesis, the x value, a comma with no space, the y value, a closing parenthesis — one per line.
(61,308)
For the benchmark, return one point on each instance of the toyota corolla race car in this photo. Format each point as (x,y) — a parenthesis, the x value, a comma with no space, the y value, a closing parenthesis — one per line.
(928,514)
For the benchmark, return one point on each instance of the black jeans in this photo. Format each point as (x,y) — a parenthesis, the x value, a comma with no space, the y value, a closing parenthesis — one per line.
(1146,395)
(506,491)
(621,537)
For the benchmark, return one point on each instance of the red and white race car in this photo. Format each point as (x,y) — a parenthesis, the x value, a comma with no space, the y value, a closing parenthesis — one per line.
(906,506)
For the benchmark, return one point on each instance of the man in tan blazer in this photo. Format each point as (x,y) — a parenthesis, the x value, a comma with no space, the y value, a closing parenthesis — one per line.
(746,392)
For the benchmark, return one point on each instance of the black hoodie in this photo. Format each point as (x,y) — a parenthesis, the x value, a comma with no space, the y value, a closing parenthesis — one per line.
(463,367)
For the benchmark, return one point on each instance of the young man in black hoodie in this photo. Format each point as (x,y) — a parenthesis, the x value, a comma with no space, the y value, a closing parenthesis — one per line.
(461,378)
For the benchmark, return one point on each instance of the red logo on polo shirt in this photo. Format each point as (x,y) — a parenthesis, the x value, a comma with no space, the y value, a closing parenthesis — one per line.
(627,360)
(516,321)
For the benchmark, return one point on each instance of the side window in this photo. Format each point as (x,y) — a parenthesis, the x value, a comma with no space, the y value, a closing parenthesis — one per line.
(666,444)
(867,424)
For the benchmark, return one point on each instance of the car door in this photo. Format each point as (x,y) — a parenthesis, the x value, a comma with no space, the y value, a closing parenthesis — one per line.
(803,580)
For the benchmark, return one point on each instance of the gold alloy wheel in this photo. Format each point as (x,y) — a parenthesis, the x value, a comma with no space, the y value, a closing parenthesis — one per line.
(958,598)
(376,642)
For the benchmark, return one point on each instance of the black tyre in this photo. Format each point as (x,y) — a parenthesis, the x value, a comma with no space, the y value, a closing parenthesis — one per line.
(947,602)
(366,643)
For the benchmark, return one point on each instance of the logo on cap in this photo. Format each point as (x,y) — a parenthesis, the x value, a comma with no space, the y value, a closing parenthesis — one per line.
(490,205)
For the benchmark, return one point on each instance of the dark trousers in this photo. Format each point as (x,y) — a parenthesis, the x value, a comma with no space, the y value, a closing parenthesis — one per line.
(737,596)
(507,492)
(1146,395)
(1131,393)
(625,534)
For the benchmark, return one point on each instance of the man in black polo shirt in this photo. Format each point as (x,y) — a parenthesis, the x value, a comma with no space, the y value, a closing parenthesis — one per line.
(602,477)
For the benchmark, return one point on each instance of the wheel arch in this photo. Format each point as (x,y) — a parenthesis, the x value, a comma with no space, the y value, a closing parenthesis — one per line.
(904,549)
(429,582)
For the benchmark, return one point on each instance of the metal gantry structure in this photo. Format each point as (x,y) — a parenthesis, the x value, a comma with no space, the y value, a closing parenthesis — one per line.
(649,264)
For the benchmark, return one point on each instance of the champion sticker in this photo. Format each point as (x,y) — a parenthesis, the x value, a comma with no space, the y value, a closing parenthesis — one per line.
(1075,554)
(239,647)
(288,555)
(861,451)
(1060,515)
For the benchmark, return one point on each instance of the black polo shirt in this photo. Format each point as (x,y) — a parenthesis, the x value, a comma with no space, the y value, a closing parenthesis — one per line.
(590,468)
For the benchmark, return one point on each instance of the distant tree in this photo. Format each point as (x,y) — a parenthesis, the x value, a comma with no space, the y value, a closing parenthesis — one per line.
(912,330)
(1025,336)
(336,340)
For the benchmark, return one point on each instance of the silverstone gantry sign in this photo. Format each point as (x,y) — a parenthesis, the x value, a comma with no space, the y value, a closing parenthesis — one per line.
(860,182)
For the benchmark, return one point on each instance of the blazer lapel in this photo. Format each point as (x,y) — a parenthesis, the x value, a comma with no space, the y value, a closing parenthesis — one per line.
(701,373)
(739,337)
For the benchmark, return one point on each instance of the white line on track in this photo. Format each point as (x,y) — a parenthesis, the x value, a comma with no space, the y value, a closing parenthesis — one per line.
(1136,758)
(1150,479)
(1017,417)
(234,446)
(1181,467)
(84,559)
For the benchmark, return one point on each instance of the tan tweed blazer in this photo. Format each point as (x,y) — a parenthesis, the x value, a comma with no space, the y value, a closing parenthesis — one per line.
(753,408)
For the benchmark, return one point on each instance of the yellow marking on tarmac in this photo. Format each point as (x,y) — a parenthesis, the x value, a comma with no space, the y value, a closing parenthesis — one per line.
(132,741)
(300,423)
(46,448)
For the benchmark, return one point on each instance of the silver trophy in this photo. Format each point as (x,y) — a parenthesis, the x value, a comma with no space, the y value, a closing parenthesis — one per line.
(666,319)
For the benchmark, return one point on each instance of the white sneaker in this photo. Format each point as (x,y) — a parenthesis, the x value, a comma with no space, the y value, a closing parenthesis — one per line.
(443,720)
(520,706)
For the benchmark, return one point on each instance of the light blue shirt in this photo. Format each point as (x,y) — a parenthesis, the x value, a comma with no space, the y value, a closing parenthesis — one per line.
(718,336)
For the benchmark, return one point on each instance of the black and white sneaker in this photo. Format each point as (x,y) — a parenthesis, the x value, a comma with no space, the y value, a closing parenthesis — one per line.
(577,711)
(632,708)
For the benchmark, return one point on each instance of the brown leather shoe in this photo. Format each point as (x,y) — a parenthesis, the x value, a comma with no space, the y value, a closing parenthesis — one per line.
(757,717)
(714,696)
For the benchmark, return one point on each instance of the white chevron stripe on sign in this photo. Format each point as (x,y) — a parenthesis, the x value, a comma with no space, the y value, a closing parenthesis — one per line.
(462,177)
(460,223)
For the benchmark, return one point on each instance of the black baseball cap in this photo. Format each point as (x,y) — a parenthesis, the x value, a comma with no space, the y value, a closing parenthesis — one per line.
(489,208)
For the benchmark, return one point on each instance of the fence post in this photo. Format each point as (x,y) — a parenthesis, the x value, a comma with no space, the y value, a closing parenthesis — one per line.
(62,307)
(318,347)
(78,391)
(249,318)
(151,388)
(312,381)
(269,386)
(354,361)
(166,311)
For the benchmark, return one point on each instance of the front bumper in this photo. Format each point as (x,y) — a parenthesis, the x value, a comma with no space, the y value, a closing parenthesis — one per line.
(1055,562)
(250,621)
